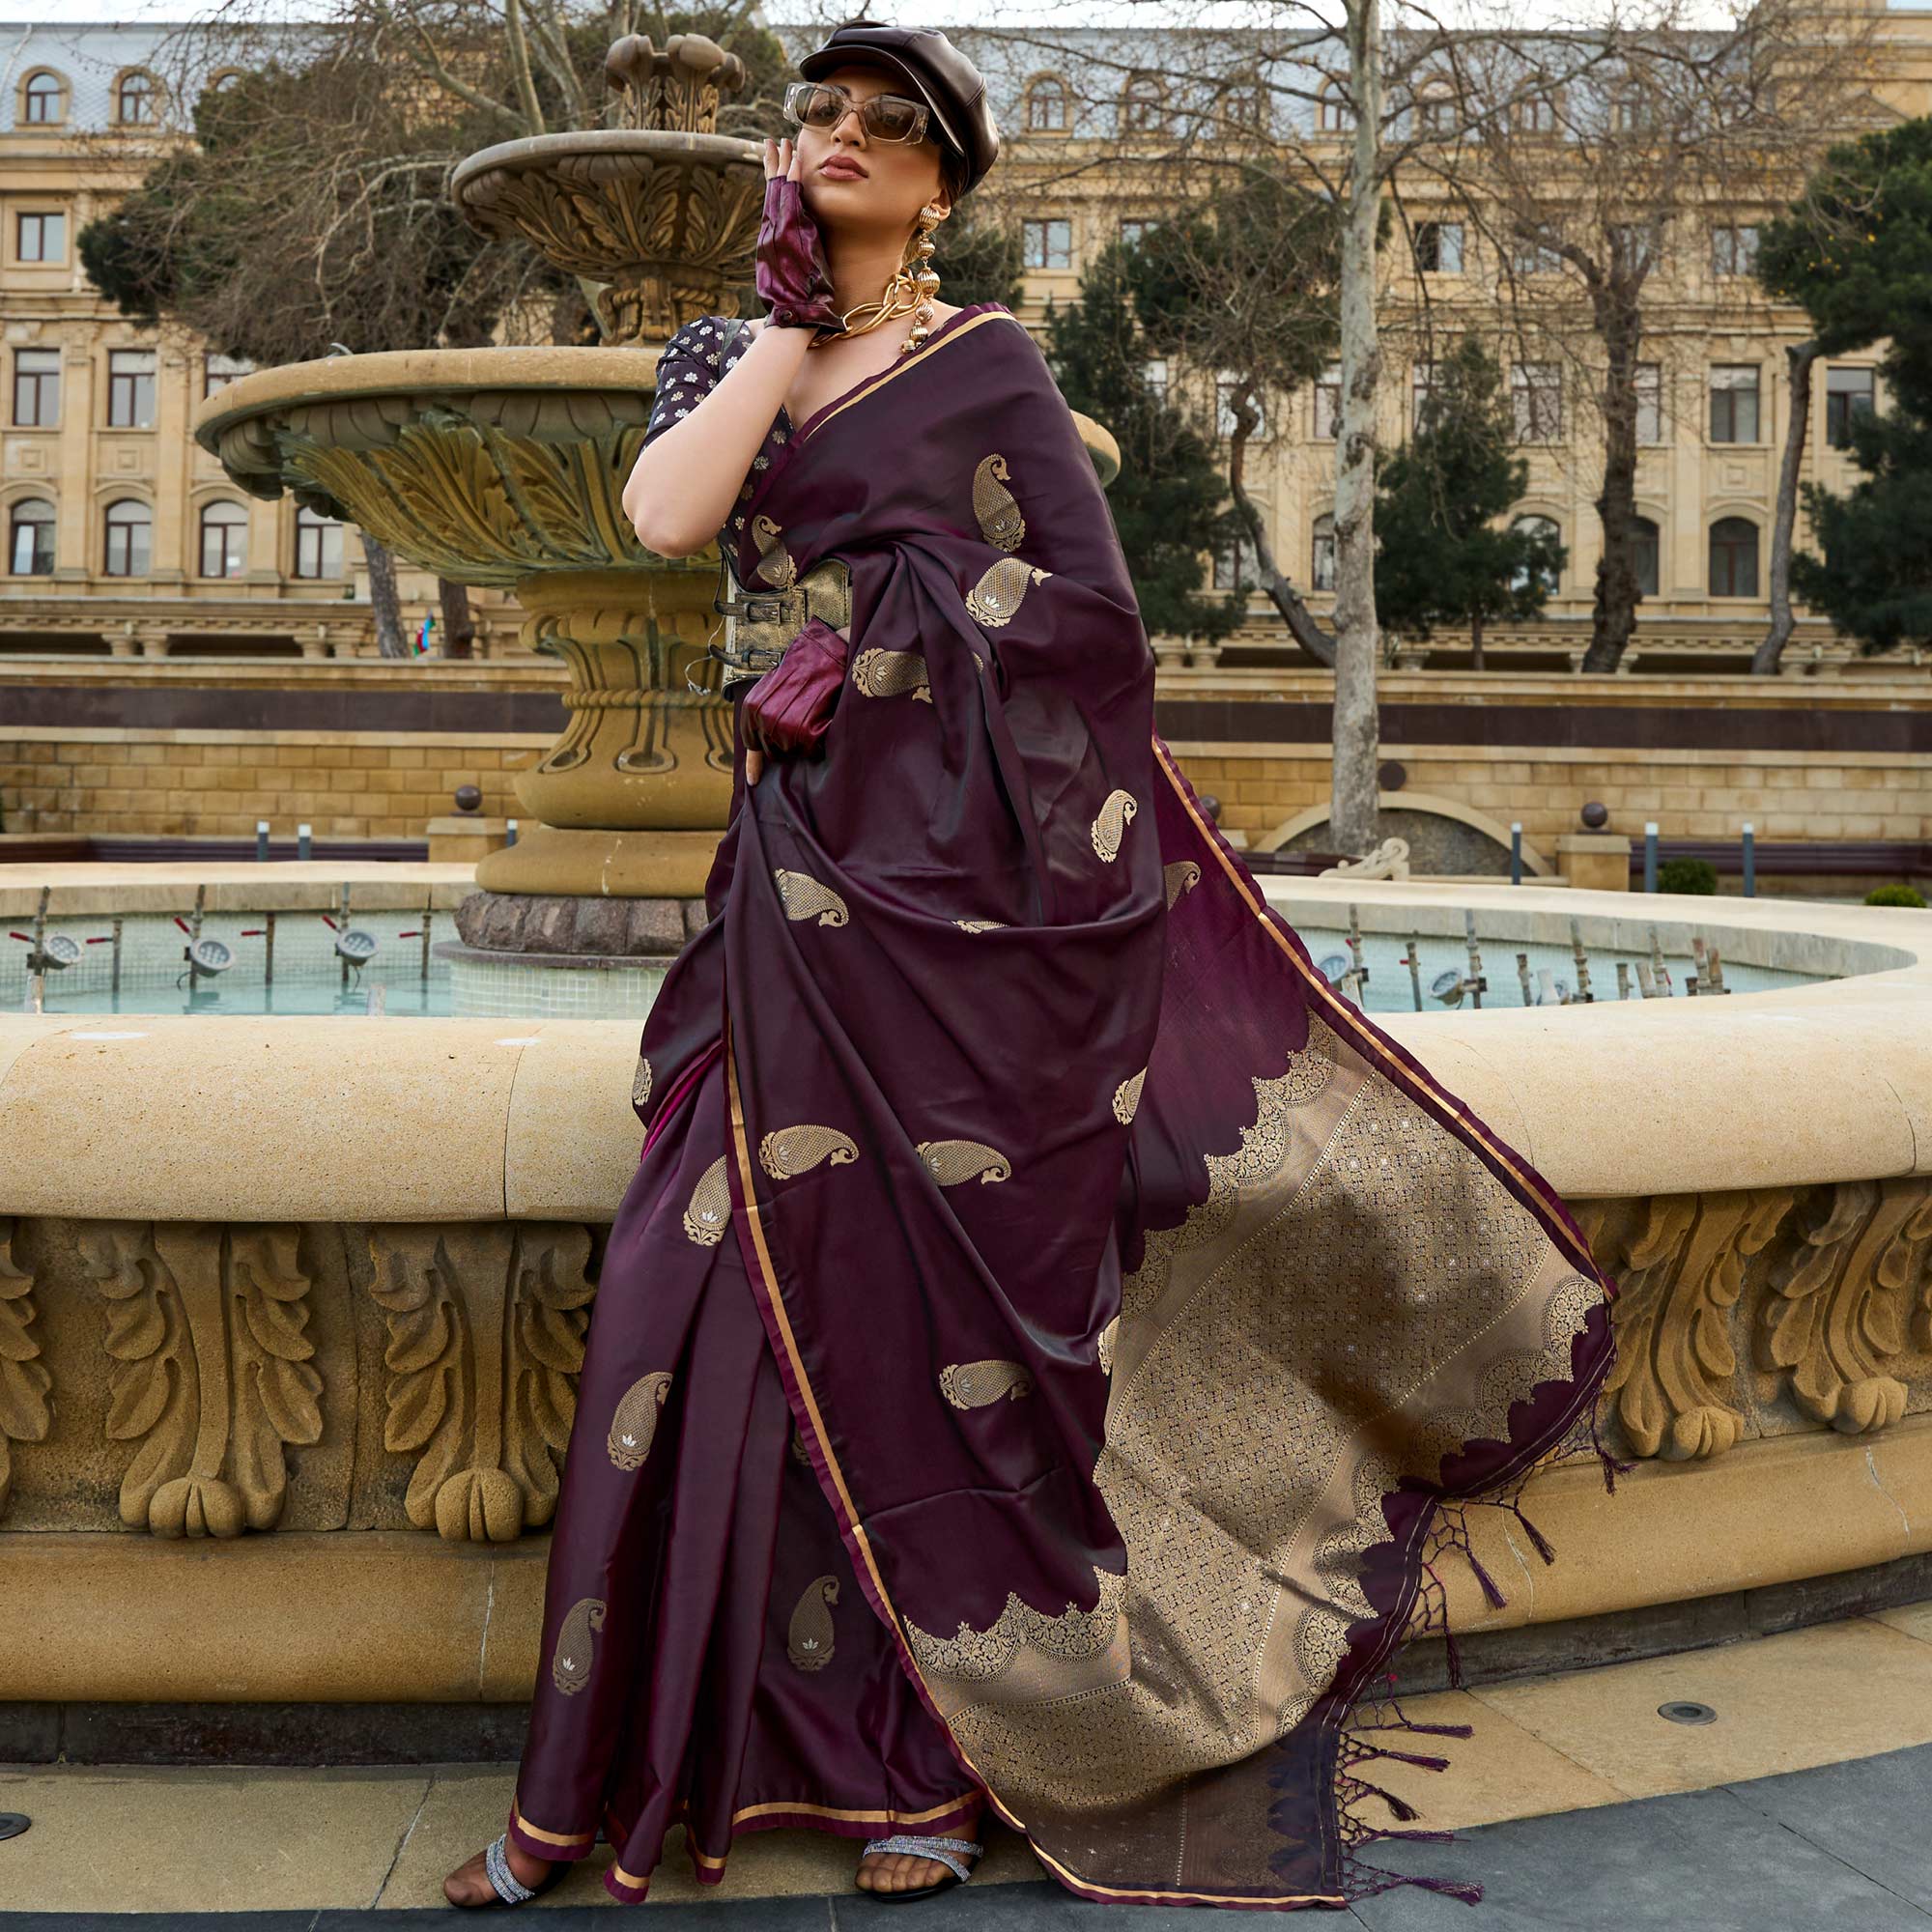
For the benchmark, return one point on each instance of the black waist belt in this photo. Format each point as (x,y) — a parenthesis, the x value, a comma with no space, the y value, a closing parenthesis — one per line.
(759,625)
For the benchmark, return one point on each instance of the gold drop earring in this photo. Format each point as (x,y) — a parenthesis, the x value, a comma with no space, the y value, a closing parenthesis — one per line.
(924,277)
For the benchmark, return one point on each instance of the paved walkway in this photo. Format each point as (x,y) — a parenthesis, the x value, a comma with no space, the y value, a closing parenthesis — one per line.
(1580,1806)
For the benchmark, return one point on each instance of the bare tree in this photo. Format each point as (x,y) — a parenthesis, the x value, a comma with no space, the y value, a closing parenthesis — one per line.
(1619,187)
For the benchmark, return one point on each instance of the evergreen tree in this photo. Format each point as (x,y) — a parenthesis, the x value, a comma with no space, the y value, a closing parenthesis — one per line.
(1857,252)
(1169,500)
(1439,556)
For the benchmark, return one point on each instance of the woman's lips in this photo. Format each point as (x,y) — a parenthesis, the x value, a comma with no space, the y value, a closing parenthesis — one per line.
(842,170)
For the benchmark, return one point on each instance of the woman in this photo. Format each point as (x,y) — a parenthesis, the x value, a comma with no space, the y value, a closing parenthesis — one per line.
(1049,1332)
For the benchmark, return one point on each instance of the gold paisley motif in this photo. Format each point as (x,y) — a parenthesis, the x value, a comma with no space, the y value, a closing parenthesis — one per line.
(799,1452)
(1074,1634)
(1128,1096)
(808,1638)
(877,673)
(806,897)
(636,1420)
(774,565)
(996,597)
(994,507)
(979,925)
(788,1150)
(640,1082)
(1182,876)
(710,1208)
(575,1653)
(951,1162)
(1112,822)
(977,1384)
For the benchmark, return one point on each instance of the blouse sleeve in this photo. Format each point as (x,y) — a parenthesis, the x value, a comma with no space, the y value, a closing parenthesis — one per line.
(687,373)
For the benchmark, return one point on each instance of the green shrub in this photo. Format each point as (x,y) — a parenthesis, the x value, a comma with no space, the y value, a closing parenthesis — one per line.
(1905,895)
(1687,875)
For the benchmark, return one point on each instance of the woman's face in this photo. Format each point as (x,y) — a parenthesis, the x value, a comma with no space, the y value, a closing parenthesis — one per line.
(898,178)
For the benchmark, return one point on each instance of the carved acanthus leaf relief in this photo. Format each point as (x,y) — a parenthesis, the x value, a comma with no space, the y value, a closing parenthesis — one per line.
(1680,1269)
(206,1325)
(1850,1296)
(24,1414)
(486,1337)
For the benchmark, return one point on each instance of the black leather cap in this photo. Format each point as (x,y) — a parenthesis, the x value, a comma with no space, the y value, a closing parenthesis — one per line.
(938,74)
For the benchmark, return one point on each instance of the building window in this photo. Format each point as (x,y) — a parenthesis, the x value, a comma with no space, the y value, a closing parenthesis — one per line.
(1227,384)
(40,238)
(1631,111)
(224,540)
(43,97)
(1143,106)
(1848,393)
(1439,247)
(134,101)
(129,527)
(1733,557)
(1134,228)
(218,371)
(1536,394)
(1536,115)
(36,388)
(1649,545)
(1734,402)
(1046,107)
(1154,372)
(31,546)
(1734,248)
(1421,386)
(1322,561)
(1436,112)
(131,388)
(1332,112)
(1649,403)
(1236,561)
(1325,425)
(318,544)
(1535,526)
(1048,244)
(1635,243)
(1535,258)
(1242,110)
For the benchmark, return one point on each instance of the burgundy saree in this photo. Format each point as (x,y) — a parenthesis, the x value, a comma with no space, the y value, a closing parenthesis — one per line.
(1143,1314)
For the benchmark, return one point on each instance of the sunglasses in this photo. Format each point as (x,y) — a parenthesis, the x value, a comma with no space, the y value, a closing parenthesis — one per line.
(885,117)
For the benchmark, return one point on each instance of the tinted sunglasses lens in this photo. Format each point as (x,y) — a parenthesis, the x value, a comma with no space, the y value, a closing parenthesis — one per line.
(894,118)
(813,107)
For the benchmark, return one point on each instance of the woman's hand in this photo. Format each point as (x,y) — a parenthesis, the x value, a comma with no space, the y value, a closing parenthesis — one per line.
(793,279)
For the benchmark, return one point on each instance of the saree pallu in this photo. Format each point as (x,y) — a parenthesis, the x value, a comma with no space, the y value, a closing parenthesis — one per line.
(1146,1314)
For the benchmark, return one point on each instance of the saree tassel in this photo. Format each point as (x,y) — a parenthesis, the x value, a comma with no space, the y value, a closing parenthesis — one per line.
(1412,1757)
(1537,1541)
(1496,1600)
(1400,1807)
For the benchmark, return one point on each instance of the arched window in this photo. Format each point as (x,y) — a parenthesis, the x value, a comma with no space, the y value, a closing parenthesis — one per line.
(1143,106)
(45,99)
(1332,113)
(225,539)
(129,532)
(1536,526)
(30,545)
(1435,109)
(1046,106)
(318,544)
(1321,564)
(1734,557)
(1649,557)
(224,80)
(136,99)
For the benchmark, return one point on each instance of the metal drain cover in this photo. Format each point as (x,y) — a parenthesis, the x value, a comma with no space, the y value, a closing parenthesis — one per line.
(13,1824)
(1687,1714)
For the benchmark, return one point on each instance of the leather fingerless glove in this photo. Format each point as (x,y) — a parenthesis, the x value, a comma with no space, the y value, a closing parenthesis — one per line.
(790,706)
(793,279)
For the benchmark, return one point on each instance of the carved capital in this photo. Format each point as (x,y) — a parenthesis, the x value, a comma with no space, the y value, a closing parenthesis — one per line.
(486,1337)
(205,1323)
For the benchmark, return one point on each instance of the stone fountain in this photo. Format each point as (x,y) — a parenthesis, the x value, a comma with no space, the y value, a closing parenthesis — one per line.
(504,466)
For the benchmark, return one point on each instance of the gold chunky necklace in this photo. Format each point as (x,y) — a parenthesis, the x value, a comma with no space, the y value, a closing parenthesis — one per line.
(910,291)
